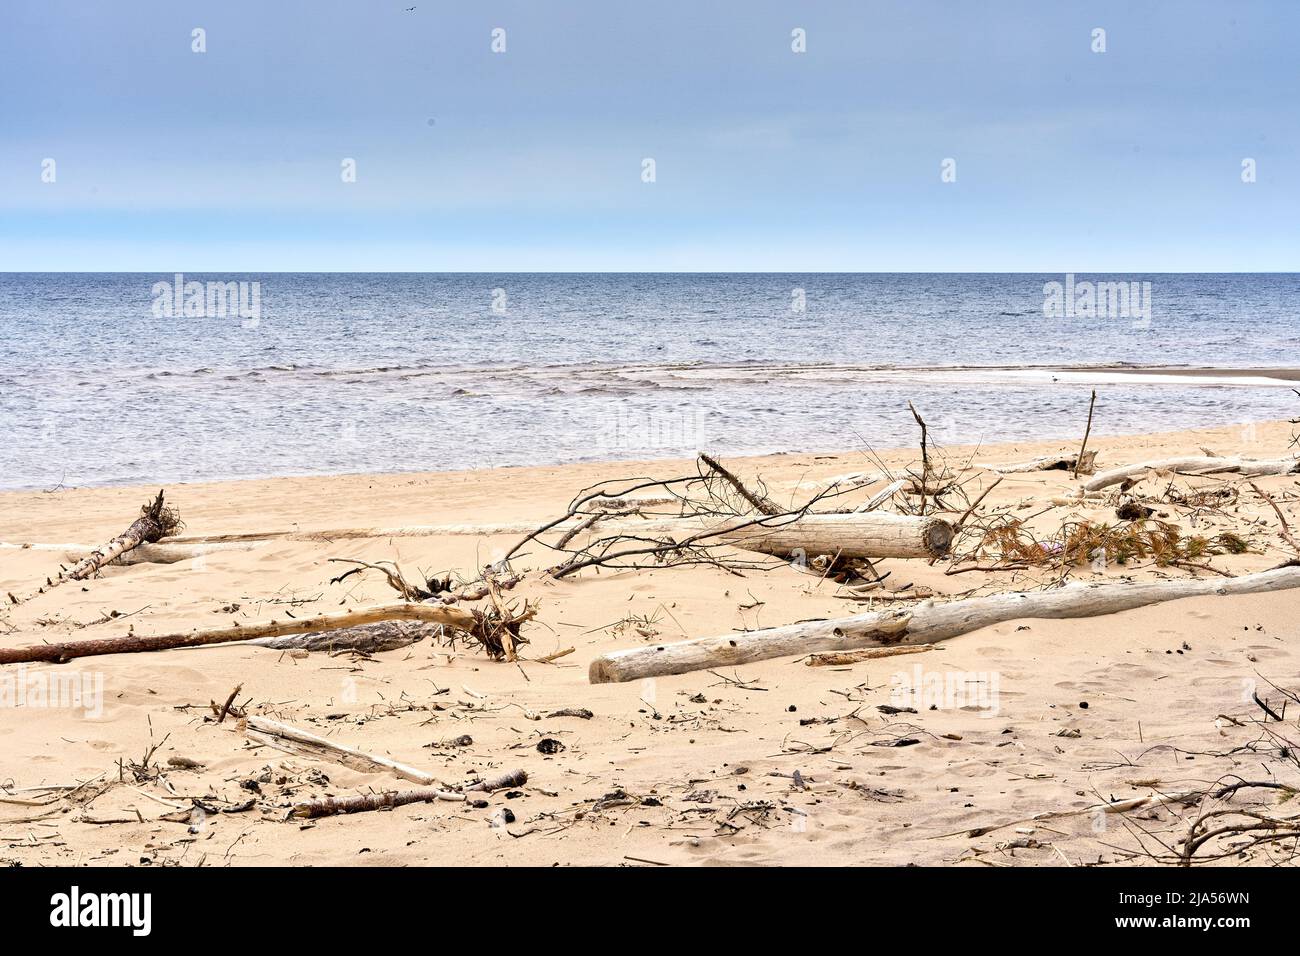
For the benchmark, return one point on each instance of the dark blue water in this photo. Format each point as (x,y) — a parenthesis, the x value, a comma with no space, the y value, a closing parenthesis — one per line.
(383,372)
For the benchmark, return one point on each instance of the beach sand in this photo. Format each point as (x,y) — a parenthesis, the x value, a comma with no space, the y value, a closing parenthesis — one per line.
(701,766)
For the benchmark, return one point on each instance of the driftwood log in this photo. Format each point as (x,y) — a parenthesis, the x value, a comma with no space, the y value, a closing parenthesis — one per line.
(294,740)
(164,552)
(156,522)
(1066,462)
(923,624)
(135,643)
(1249,467)
(328,806)
(849,535)
(363,638)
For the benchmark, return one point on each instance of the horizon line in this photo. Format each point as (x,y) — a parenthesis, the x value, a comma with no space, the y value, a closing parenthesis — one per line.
(666,272)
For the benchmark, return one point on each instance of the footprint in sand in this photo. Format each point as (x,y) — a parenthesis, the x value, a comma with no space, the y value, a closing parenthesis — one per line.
(1121,673)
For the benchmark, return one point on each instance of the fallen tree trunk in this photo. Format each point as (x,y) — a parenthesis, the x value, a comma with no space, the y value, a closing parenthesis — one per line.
(849,535)
(1249,467)
(156,522)
(924,624)
(1065,462)
(855,535)
(135,643)
(364,638)
(328,806)
(306,744)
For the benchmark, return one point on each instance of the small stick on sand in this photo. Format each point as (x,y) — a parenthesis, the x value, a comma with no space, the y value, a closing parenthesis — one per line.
(976,503)
(907,594)
(925,455)
(756,500)
(328,806)
(866,654)
(230,702)
(1286,528)
(1086,432)
(302,742)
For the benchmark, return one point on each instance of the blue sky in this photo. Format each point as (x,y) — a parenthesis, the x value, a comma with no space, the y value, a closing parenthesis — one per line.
(766,160)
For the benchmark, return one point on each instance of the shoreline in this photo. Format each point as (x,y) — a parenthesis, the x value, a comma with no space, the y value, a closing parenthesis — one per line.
(667,459)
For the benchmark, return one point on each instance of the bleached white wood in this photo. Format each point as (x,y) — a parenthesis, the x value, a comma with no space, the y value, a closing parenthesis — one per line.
(1063,462)
(1196,465)
(303,742)
(929,622)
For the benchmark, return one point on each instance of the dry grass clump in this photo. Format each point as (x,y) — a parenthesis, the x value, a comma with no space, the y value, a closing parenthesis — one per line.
(1085,542)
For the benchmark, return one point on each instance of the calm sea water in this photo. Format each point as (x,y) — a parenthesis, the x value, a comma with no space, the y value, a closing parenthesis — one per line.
(388,372)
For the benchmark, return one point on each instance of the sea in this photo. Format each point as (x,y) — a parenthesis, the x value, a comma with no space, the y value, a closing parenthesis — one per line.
(123,378)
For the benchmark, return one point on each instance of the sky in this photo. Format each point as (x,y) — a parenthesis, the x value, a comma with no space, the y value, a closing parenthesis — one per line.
(533,158)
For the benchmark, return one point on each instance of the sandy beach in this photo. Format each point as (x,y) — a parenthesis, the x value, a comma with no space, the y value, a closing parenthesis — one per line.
(771,762)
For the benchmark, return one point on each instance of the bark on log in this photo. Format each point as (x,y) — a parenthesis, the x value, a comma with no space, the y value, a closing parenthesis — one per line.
(364,638)
(362,802)
(135,643)
(850,535)
(306,744)
(924,624)
(1249,467)
(865,535)
(328,806)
